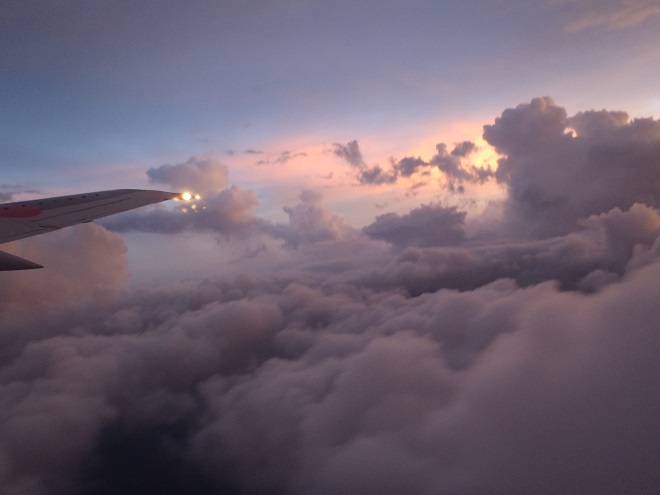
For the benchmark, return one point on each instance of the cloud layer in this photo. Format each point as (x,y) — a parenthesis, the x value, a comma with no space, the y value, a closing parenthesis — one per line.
(404,358)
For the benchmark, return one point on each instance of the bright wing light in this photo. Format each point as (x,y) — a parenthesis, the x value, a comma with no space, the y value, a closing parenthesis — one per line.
(186,196)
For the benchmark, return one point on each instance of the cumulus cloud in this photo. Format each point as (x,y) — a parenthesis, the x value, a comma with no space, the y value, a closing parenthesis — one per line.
(556,176)
(428,225)
(200,174)
(310,222)
(229,213)
(404,358)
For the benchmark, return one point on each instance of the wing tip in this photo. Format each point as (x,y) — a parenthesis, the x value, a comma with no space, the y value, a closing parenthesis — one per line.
(9,262)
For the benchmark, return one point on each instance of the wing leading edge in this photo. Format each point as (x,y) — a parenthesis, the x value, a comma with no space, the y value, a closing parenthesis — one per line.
(28,218)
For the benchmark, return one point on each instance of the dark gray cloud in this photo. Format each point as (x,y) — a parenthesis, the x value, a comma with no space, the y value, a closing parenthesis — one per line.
(428,225)
(377,175)
(350,152)
(280,158)
(409,165)
(585,259)
(200,174)
(451,165)
(555,177)
(464,149)
(455,170)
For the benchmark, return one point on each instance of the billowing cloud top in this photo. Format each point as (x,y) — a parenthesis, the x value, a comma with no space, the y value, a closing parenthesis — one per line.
(200,174)
(559,169)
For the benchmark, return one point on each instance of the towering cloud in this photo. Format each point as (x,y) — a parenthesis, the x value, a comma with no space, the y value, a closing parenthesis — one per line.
(560,169)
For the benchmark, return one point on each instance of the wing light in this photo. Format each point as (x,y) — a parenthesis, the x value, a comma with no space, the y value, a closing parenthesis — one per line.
(187,196)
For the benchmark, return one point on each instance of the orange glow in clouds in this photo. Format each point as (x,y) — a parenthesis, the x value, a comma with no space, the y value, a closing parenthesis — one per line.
(283,169)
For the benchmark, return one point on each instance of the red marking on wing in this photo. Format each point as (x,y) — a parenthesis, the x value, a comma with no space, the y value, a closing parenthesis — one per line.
(22,211)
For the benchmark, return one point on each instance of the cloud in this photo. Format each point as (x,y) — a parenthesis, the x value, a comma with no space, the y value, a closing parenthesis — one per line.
(377,175)
(280,158)
(455,170)
(229,213)
(452,165)
(310,222)
(410,165)
(428,225)
(9,191)
(614,14)
(405,358)
(291,382)
(200,175)
(606,245)
(555,177)
(349,152)
(97,267)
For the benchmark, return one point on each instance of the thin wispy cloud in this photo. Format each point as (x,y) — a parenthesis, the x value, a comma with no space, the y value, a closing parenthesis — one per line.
(613,14)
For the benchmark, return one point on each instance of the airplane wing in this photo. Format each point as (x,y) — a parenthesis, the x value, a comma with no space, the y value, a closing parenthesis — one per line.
(27,218)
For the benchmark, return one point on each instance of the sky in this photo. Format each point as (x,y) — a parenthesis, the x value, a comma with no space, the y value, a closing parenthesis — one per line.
(425,257)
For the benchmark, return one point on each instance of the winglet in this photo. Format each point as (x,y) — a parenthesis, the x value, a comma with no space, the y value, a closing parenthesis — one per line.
(11,262)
